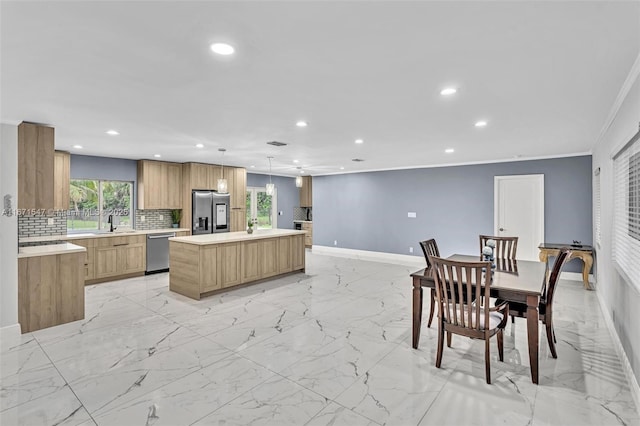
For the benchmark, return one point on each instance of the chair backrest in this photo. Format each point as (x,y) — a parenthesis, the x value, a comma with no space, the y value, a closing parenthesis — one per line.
(506,247)
(429,248)
(561,259)
(458,286)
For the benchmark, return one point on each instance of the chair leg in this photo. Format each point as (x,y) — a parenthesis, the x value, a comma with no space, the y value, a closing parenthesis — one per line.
(513,319)
(433,307)
(500,339)
(440,343)
(487,360)
(448,339)
(552,346)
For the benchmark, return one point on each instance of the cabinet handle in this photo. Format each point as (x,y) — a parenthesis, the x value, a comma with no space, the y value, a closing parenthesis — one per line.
(123,244)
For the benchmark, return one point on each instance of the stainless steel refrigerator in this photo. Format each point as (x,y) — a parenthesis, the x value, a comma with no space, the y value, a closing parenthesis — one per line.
(210,212)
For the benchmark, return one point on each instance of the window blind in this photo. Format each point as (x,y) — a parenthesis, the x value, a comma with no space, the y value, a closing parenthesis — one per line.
(626,219)
(598,205)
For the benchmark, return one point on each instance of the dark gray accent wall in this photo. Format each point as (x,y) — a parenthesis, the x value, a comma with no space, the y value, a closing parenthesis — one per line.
(288,195)
(368,211)
(105,168)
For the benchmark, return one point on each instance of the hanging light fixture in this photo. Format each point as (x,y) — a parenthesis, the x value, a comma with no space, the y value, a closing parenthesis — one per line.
(271,188)
(299,181)
(222,182)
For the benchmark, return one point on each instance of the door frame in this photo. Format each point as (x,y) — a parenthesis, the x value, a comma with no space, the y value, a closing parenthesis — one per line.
(538,178)
(274,203)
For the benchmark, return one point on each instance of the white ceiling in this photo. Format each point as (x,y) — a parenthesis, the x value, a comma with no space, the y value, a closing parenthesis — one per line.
(544,74)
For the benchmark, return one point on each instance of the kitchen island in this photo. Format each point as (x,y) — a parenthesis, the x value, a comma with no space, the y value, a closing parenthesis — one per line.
(203,264)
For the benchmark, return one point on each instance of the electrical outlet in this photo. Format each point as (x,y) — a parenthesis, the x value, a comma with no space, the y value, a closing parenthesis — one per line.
(410,249)
(50,221)
(142,218)
(411,214)
(335,242)
(161,217)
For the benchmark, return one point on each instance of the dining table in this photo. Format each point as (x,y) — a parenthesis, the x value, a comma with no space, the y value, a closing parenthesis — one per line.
(519,281)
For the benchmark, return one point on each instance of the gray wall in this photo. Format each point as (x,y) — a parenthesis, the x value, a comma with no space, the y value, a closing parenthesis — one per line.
(368,211)
(620,298)
(105,168)
(288,195)
(9,233)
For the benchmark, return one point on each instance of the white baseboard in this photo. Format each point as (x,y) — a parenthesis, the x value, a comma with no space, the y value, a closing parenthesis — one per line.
(10,335)
(626,365)
(374,256)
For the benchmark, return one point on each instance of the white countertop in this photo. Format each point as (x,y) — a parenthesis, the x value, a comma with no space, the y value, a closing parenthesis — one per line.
(302,221)
(49,250)
(98,235)
(230,237)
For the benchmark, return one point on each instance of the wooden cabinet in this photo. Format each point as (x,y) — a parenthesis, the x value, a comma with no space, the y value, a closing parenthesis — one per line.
(159,185)
(50,290)
(120,256)
(35,166)
(250,264)
(238,218)
(209,269)
(297,252)
(306,193)
(89,262)
(308,238)
(237,186)
(61,180)
(229,256)
(284,255)
(268,250)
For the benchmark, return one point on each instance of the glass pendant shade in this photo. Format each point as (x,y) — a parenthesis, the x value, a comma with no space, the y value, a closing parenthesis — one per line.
(299,181)
(271,188)
(222,185)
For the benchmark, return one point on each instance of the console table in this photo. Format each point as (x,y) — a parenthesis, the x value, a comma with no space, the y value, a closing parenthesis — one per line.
(582,252)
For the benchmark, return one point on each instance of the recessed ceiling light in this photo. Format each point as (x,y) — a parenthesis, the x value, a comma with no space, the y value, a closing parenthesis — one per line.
(253,167)
(341,168)
(359,141)
(447,91)
(200,145)
(295,161)
(222,49)
(301,123)
(481,123)
(157,155)
(301,171)
(112,132)
(449,150)
(77,146)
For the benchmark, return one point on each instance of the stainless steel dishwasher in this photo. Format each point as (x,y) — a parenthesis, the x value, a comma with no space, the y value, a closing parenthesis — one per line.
(158,252)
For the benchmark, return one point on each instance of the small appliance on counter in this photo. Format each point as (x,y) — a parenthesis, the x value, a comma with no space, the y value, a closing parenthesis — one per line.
(210,212)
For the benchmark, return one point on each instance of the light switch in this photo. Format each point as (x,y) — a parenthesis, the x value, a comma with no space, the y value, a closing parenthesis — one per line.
(142,218)
(411,214)
(50,221)
(161,217)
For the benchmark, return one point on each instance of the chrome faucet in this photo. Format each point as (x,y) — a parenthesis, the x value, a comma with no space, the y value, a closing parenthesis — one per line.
(110,222)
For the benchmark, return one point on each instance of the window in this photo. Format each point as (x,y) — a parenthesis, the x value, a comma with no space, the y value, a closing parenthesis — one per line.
(261,208)
(626,237)
(92,201)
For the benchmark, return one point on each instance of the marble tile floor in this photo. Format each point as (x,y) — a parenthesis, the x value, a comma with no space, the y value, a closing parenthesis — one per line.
(329,347)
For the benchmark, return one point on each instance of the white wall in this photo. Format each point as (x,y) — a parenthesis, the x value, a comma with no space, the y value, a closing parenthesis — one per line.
(619,298)
(9,232)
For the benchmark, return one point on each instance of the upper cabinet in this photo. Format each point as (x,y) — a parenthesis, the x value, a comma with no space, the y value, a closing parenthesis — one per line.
(237,186)
(35,166)
(306,195)
(159,185)
(61,168)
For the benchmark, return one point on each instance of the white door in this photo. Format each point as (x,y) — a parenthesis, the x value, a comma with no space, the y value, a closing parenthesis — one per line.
(262,208)
(519,212)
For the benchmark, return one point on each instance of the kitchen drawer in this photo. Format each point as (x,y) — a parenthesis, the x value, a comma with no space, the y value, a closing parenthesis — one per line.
(120,240)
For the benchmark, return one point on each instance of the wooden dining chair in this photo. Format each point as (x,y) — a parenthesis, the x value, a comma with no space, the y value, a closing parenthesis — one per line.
(430,248)
(545,307)
(458,286)
(506,247)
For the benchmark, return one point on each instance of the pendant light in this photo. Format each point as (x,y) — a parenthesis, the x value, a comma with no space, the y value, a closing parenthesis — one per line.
(271,188)
(299,181)
(222,182)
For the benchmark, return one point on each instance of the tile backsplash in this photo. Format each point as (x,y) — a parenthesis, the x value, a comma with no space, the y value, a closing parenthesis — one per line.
(152,219)
(38,226)
(300,213)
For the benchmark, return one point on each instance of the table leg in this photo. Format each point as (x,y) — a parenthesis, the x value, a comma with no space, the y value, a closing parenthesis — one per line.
(588,262)
(532,332)
(417,311)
